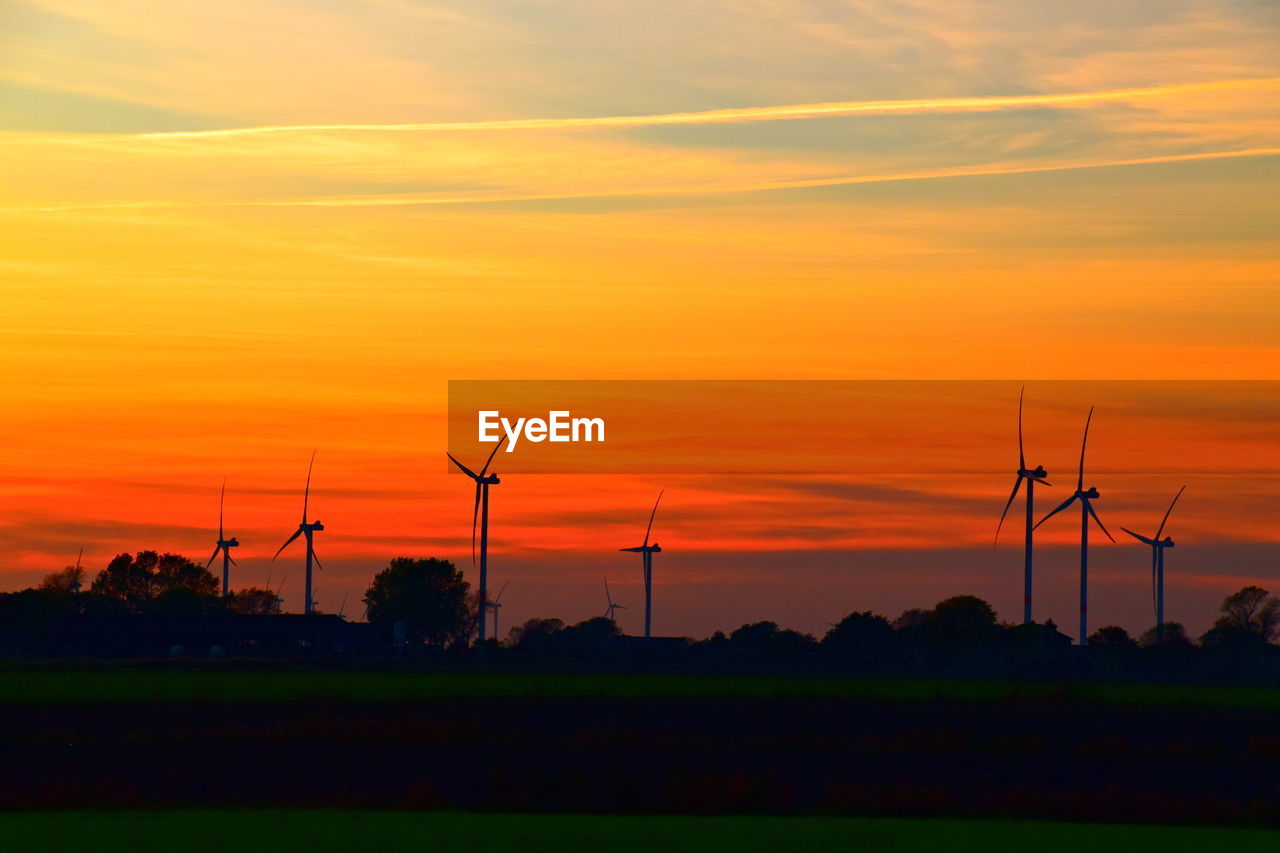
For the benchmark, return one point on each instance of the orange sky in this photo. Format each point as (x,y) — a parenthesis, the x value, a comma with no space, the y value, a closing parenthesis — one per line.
(183,305)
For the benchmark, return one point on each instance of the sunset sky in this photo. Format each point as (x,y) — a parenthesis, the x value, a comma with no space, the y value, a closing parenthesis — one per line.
(236,232)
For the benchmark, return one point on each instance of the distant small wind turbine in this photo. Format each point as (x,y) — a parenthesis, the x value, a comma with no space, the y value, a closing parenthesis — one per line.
(483,481)
(75,578)
(646,552)
(307,529)
(224,545)
(1157,564)
(1033,476)
(1086,499)
(609,611)
(495,606)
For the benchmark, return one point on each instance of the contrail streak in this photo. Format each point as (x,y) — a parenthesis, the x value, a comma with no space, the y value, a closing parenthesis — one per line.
(764,186)
(745,114)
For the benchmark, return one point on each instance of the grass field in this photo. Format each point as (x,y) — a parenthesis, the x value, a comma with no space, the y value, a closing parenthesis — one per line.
(110,683)
(319,831)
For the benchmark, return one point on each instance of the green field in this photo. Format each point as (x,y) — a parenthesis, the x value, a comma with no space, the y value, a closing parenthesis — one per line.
(133,683)
(391,831)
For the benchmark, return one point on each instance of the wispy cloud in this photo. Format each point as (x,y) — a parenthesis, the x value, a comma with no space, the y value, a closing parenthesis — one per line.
(396,200)
(745,114)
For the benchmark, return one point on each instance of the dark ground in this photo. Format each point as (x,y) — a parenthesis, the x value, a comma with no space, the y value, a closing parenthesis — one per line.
(612,745)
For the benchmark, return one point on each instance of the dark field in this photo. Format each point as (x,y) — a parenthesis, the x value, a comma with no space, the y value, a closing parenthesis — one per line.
(319,831)
(130,738)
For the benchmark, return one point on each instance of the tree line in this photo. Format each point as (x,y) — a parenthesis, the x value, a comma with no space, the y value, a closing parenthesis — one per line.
(426,607)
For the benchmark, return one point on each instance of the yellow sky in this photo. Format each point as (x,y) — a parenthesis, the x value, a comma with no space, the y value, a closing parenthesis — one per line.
(183,299)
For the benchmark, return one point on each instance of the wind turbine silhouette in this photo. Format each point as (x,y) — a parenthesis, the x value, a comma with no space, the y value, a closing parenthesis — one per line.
(646,552)
(224,545)
(609,611)
(1157,564)
(483,481)
(307,529)
(1036,475)
(75,579)
(495,606)
(1086,499)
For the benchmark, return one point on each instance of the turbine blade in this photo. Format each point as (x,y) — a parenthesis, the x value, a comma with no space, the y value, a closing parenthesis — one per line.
(214,557)
(231,559)
(1138,536)
(472,474)
(651,515)
(1068,502)
(1084,441)
(222,500)
(475,515)
(295,535)
(1022,460)
(306,493)
(1043,482)
(500,591)
(489,461)
(1169,510)
(608,597)
(316,559)
(1089,508)
(1017,483)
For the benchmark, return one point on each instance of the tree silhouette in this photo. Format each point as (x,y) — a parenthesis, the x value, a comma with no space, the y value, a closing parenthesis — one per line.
(139,579)
(962,621)
(253,601)
(64,581)
(537,635)
(860,637)
(428,596)
(1252,609)
(1175,634)
(1112,636)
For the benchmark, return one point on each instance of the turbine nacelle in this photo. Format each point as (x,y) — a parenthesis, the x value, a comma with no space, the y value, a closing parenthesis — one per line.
(1038,473)
(1092,494)
(233,542)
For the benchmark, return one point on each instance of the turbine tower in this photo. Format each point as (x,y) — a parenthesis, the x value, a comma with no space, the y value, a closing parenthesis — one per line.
(613,606)
(495,606)
(1086,499)
(224,545)
(1157,564)
(483,481)
(307,529)
(646,552)
(1033,476)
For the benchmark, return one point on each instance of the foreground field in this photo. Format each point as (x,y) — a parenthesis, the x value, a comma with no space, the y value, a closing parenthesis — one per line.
(232,682)
(237,737)
(320,831)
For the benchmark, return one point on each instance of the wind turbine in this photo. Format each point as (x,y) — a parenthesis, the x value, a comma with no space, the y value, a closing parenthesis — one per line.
(646,552)
(609,611)
(307,529)
(1033,476)
(495,606)
(483,481)
(224,545)
(1086,499)
(1157,564)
